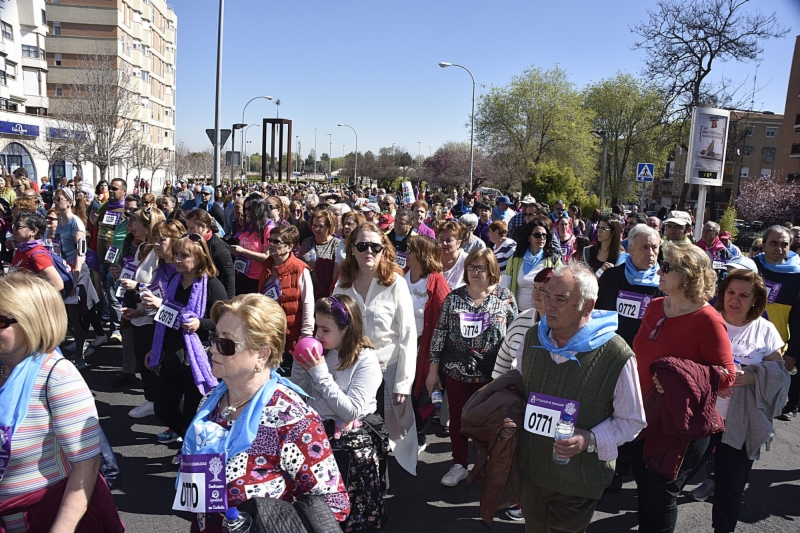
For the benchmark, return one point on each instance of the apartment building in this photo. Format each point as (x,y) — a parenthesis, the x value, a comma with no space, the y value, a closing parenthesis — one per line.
(789,152)
(141,34)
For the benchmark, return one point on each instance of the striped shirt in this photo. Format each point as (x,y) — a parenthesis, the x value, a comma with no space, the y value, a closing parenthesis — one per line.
(514,337)
(43,447)
(506,250)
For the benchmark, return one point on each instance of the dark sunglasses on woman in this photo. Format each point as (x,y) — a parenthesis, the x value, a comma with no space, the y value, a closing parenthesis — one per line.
(376,247)
(226,347)
(6,321)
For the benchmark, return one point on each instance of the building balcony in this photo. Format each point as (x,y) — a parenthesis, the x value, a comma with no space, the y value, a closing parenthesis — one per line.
(36,63)
(83,14)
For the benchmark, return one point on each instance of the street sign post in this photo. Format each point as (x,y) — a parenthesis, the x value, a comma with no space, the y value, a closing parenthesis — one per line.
(223,136)
(237,159)
(644,173)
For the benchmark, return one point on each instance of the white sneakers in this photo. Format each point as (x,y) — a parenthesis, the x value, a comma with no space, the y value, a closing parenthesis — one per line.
(454,476)
(99,341)
(146,409)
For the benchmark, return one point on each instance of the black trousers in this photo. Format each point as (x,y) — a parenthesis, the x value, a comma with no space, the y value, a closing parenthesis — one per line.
(142,343)
(175,381)
(657,494)
(732,471)
(794,394)
(245,285)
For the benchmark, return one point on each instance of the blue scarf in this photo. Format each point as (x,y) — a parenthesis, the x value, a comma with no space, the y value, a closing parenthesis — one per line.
(642,278)
(204,436)
(790,266)
(530,261)
(15,394)
(599,330)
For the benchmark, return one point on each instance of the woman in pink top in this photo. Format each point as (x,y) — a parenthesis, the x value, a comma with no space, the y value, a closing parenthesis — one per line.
(252,249)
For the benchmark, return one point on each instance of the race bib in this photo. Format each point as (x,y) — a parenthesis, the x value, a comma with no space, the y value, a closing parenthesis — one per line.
(128,272)
(112,218)
(201,484)
(543,413)
(157,293)
(401,259)
(241,265)
(112,254)
(473,324)
(773,289)
(273,289)
(56,245)
(120,293)
(632,304)
(169,314)
(5,448)
(718,264)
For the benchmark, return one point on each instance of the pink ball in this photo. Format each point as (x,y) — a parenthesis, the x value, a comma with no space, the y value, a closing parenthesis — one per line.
(304,344)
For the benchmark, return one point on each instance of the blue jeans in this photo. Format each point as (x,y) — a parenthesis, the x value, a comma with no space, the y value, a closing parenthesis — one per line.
(108,288)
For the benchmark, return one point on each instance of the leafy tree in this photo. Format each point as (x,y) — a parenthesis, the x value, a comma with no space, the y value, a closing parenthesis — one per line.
(728,222)
(449,167)
(631,113)
(549,181)
(538,117)
(255,163)
(772,201)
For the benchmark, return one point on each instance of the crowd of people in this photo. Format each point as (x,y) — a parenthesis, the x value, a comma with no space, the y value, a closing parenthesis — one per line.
(293,340)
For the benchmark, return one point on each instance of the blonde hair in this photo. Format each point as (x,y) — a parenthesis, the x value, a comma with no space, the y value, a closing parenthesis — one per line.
(263,323)
(694,268)
(37,308)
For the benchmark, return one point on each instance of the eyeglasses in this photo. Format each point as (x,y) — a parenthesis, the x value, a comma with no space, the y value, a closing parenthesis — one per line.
(272,207)
(603,229)
(277,242)
(477,268)
(52,219)
(657,329)
(666,268)
(226,347)
(757,248)
(194,237)
(113,189)
(6,321)
(376,247)
(539,235)
(19,226)
(319,226)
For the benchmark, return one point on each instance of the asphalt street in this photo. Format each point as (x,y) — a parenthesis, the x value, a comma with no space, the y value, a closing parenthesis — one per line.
(420,504)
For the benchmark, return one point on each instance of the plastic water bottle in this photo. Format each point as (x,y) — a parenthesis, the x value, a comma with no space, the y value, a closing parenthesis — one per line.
(312,254)
(564,430)
(143,289)
(737,364)
(436,398)
(237,521)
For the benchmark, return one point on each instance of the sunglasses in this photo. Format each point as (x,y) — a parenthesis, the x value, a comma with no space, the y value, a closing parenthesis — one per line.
(51,219)
(272,207)
(657,329)
(6,321)
(276,242)
(666,268)
(226,347)
(539,235)
(376,247)
(757,248)
(194,237)
(113,189)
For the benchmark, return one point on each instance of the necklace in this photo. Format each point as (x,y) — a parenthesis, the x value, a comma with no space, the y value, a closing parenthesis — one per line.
(3,371)
(228,412)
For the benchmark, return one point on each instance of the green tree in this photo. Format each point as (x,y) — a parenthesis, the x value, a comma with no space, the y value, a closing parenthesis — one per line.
(728,222)
(631,113)
(255,163)
(550,181)
(538,117)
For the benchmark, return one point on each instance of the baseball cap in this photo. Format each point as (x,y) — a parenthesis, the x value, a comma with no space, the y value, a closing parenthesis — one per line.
(725,235)
(385,222)
(372,206)
(528,200)
(741,261)
(679,217)
(503,199)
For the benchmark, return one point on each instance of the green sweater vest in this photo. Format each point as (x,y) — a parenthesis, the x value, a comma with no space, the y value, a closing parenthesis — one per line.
(592,384)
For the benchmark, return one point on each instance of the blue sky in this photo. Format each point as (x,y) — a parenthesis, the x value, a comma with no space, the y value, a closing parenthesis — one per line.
(374,65)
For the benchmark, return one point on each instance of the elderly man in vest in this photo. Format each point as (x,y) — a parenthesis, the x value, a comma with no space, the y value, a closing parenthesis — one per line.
(573,363)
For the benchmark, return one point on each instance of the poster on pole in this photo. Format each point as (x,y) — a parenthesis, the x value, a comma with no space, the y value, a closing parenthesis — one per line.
(707,146)
(408,195)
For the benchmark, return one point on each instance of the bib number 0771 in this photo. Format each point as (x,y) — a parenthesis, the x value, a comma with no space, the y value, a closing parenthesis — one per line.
(540,422)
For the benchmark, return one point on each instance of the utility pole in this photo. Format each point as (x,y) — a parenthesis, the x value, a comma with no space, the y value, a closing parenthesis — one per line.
(218,104)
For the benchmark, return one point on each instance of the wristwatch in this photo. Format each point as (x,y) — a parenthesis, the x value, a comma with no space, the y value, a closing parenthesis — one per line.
(592,443)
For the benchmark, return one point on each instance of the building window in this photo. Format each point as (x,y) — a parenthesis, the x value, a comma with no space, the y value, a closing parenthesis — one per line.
(3,80)
(44,18)
(59,90)
(58,60)
(11,70)
(748,150)
(795,150)
(766,173)
(8,32)
(772,131)
(30,51)
(14,156)
(793,177)
(145,76)
(750,131)
(744,172)
(768,154)
(56,28)
(7,105)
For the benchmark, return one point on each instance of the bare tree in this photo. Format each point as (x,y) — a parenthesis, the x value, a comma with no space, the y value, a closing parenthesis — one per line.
(101,105)
(684,38)
(181,164)
(54,146)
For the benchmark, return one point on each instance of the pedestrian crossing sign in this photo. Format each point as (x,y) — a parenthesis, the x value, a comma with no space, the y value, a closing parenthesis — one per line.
(644,171)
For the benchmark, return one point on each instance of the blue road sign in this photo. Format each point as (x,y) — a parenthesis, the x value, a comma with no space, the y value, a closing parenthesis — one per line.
(644,171)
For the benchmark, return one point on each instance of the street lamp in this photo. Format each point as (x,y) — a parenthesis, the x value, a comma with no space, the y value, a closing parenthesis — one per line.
(444,64)
(355,166)
(244,148)
(166,172)
(601,134)
(233,145)
(330,150)
(296,159)
(315,153)
(108,149)
(241,149)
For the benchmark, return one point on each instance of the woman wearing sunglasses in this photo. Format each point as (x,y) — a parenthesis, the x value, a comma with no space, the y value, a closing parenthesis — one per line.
(681,325)
(468,335)
(48,420)
(31,255)
(371,277)
(282,451)
(182,326)
(757,247)
(287,280)
(535,252)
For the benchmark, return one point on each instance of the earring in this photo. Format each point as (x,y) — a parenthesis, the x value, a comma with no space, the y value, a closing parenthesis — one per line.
(257,370)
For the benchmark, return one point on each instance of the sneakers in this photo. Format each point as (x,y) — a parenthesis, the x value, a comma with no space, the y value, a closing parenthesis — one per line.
(80,364)
(101,340)
(167,436)
(123,379)
(514,513)
(703,491)
(69,348)
(116,337)
(786,417)
(177,459)
(454,476)
(146,409)
(422,448)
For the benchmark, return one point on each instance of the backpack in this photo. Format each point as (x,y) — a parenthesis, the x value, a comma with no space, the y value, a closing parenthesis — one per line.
(63,269)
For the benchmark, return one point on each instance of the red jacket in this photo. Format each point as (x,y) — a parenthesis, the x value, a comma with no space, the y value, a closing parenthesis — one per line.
(687,411)
(437,292)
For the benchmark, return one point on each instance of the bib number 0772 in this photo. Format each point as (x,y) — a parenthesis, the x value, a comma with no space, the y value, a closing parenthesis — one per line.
(626,309)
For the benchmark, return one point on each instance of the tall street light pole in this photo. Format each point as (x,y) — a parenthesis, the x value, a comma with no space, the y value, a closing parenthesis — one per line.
(355,166)
(296,159)
(315,153)
(218,100)
(241,149)
(244,149)
(444,64)
(233,147)
(602,134)
(330,152)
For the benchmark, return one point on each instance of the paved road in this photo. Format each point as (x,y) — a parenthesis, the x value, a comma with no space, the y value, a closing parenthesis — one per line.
(420,504)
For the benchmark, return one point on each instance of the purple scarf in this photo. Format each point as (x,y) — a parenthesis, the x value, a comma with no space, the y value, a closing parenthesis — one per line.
(115,205)
(196,308)
(28,246)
